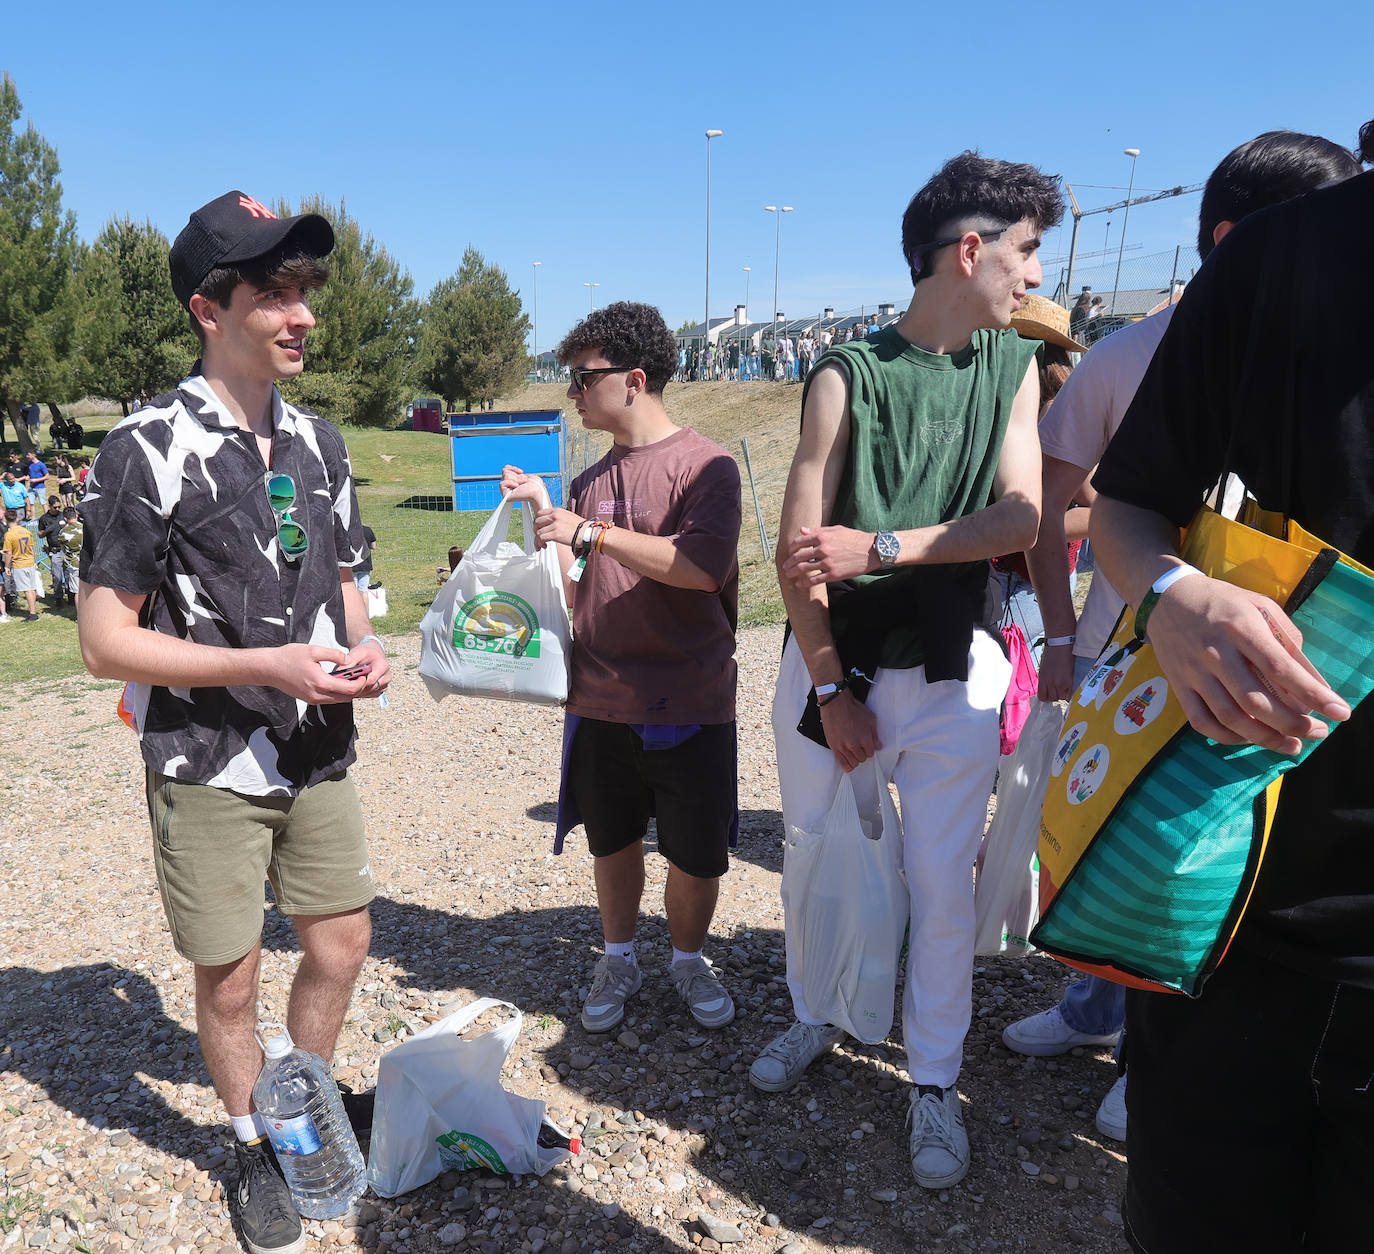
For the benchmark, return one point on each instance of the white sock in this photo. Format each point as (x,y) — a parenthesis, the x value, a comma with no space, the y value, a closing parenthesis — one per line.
(679,956)
(621,949)
(248,1127)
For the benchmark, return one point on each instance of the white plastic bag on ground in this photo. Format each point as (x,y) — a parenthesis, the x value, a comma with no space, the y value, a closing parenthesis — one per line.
(1006,899)
(844,886)
(440,1106)
(499,626)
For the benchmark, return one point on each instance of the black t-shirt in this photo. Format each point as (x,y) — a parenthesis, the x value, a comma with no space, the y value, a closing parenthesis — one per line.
(1264,372)
(49,524)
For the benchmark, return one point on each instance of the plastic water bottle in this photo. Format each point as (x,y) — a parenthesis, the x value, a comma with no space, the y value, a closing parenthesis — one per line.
(314,1142)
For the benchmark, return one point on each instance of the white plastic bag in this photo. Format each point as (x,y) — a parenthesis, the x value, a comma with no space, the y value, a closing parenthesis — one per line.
(844,888)
(440,1106)
(499,626)
(1006,898)
(376,602)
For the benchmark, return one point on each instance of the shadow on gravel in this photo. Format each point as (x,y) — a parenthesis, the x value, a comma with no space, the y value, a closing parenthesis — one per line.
(790,1155)
(76,1032)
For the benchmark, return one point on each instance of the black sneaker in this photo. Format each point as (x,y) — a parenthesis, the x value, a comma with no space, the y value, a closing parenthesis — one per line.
(358,1107)
(262,1203)
(30,618)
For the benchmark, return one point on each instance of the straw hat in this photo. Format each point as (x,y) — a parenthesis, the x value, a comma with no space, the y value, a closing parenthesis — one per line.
(1041,319)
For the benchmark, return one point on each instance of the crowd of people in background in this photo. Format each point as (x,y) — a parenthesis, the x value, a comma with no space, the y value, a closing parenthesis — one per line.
(783,358)
(41,526)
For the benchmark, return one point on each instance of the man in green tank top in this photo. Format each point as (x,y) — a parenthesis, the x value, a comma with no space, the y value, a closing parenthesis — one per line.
(918,461)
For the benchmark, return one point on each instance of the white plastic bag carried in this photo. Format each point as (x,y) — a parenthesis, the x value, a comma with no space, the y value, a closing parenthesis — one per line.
(376,602)
(1006,898)
(499,626)
(845,892)
(440,1106)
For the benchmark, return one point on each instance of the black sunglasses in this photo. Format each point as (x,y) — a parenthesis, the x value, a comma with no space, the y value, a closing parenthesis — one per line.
(579,377)
(921,256)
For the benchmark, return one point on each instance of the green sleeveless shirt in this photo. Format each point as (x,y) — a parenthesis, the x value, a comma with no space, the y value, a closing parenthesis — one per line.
(925,436)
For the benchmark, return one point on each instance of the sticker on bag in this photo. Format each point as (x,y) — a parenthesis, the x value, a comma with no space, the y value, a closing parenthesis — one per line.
(497,622)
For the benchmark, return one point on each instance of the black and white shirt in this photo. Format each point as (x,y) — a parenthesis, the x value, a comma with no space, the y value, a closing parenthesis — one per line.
(176,509)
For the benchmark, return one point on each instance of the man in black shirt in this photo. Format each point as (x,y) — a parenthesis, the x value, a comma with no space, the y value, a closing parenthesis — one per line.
(49,525)
(1251,1109)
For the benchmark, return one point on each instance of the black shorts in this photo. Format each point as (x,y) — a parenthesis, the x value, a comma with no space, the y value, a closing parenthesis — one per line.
(1251,1121)
(618,785)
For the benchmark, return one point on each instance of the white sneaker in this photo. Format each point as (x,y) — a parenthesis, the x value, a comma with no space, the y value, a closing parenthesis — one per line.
(1111,1115)
(612,982)
(786,1057)
(939,1143)
(1046,1034)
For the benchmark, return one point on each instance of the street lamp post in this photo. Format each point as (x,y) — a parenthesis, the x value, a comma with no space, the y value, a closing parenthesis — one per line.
(777,211)
(747,270)
(534,305)
(590,294)
(706,321)
(1133,153)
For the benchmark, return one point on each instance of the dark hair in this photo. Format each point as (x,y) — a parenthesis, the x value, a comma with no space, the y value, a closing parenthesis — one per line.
(1367,142)
(1055,366)
(455,555)
(71,512)
(286,266)
(1269,169)
(970,186)
(629,335)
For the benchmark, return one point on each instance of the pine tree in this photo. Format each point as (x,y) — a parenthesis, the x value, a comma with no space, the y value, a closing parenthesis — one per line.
(38,254)
(472,345)
(360,356)
(133,338)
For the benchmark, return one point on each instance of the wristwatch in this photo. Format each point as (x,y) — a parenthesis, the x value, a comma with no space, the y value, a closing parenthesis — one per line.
(887,546)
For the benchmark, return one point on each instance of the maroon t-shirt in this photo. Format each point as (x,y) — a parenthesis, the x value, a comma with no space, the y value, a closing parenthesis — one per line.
(645,652)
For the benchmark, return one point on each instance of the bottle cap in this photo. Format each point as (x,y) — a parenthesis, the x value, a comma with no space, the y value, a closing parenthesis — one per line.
(279,1044)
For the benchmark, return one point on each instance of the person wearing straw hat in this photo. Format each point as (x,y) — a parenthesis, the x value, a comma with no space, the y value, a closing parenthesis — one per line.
(1043,320)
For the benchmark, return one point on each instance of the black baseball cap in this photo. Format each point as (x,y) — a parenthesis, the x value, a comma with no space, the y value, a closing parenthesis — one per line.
(235,227)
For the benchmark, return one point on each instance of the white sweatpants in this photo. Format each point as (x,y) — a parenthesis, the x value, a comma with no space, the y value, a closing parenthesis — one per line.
(940,746)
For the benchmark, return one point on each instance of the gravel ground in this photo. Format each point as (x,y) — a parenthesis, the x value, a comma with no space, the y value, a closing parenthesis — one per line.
(111,1138)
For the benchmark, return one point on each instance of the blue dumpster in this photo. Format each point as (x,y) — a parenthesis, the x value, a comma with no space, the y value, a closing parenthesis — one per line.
(483,442)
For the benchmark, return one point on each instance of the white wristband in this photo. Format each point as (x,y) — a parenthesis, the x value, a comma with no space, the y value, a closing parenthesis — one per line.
(376,639)
(824,690)
(1053,641)
(1171,577)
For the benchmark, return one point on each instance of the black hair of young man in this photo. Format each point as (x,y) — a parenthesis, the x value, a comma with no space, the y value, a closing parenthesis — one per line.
(1367,142)
(1268,170)
(971,190)
(628,335)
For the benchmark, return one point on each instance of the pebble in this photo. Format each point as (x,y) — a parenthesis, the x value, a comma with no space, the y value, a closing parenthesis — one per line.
(718,1229)
(124,1126)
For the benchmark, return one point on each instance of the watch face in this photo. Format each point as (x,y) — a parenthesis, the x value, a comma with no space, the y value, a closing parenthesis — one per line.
(888,547)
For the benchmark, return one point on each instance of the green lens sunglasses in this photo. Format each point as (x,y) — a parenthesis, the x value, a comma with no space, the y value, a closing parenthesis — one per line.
(281,496)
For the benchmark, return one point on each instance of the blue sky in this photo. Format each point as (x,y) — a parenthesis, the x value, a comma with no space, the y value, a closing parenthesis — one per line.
(573,134)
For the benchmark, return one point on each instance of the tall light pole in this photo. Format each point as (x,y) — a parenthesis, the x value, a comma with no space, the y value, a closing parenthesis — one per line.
(706,321)
(777,211)
(1133,153)
(590,294)
(747,270)
(534,303)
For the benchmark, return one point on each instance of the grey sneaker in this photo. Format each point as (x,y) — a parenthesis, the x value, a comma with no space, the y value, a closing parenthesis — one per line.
(781,1064)
(705,995)
(612,982)
(939,1144)
(262,1204)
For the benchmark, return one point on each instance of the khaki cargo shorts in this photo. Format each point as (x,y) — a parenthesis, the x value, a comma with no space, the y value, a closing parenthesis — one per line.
(214,848)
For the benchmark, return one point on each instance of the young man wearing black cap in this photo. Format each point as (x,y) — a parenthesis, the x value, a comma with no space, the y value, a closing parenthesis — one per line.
(221,533)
